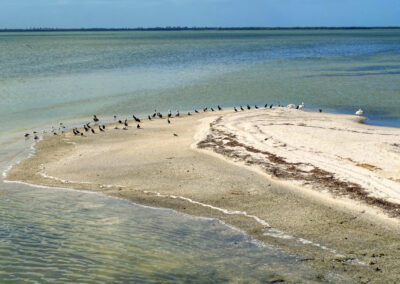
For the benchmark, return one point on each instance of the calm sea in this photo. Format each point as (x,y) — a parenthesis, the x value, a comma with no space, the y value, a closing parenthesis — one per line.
(48,78)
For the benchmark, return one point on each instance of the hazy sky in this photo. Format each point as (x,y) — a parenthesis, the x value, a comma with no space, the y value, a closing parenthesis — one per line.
(232,13)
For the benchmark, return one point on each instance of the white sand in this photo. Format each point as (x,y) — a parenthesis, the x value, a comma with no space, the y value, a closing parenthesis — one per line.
(368,156)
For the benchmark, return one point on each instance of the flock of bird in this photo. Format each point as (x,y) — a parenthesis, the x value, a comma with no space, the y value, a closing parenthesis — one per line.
(92,127)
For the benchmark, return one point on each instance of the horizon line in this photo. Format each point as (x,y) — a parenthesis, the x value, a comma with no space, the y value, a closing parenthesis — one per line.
(177,28)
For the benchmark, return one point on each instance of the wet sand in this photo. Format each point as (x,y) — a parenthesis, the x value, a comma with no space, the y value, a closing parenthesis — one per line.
(220,165)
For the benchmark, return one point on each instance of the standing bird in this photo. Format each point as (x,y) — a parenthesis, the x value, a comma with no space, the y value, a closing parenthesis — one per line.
(36,137)
(271,106)
(104,127)
(126,122)
(212,109)
(320,110)
(266,105)
(189,113)
(85,127)
(26,135)
(138,126)
(94,132)
(301,106)
(177,113)
(101,129)
(149,117)
(205,109)
(95,119)
(235,109)
(248,107)
(256,106)
(241,108)
(196,111)
(219,108)
(359,112)
(169,121)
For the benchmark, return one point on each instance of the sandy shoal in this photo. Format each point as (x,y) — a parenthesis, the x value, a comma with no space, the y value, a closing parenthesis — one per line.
(320,186)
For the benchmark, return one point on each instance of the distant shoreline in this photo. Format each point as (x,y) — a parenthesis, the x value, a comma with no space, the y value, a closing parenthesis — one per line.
(193,29)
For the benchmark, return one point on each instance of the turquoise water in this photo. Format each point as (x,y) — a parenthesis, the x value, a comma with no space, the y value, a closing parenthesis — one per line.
(48,78)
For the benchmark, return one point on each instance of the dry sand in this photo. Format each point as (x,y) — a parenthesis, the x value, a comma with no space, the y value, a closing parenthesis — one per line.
(323,187)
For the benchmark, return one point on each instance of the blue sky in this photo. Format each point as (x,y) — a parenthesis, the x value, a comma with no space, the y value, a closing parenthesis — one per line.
(222,13)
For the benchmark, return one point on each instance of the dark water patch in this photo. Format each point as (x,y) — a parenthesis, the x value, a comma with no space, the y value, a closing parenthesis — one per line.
(359,74)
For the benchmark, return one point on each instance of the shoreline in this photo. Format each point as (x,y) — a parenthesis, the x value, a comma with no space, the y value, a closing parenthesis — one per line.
(235,197)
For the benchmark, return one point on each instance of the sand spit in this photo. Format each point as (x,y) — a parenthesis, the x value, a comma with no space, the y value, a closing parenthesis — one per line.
(228,179)
(324,152)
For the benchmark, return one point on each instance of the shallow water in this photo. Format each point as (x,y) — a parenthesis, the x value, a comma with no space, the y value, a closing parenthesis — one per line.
(48,78)
(90,238)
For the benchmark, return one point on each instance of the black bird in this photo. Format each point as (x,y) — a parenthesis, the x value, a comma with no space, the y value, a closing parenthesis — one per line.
(77,131)
(55,133)
(85,127)
(138,126)
(101,129)
(219,108)
(320,110)
(266,105)
(177,113)
(175,134)
(26,135)
(95,119)
(271,106)
(88,125)
(256,106)
(212,109)
(297,107)
(120,121)
(169,114)
(104,127)
(169,121)
(189,113)
(94,132)
(248,107)
(34,132)
(235,109)
(196,111)
(126,122)
(36,137)
(149,117)
(205,109)
(136,119)
(81,134)
(154,115)
(241,108)
(74,131)
(159,115)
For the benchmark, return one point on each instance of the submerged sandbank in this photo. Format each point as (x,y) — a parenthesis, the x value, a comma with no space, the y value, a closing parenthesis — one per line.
(289,173)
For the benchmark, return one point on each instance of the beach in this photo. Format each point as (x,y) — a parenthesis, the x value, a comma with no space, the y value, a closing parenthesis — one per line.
(323,187)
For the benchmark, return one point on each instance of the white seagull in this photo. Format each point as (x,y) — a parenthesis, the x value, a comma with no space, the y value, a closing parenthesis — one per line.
(359,112)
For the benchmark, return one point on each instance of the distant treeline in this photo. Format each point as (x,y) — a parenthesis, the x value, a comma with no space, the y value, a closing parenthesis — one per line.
(189,29)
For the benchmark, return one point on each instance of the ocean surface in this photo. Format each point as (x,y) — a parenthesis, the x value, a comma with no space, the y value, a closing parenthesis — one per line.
(49,235)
